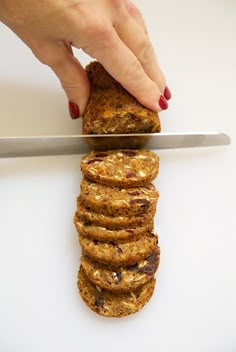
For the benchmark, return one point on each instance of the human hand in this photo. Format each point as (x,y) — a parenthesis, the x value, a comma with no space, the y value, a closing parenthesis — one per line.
(111,31)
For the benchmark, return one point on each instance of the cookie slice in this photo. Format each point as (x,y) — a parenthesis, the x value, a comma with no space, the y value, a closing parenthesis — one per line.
(124,278)
(118,254)
(110,304)
(113,222)
(111,109)
(103,234)
(121,168)
(115,201)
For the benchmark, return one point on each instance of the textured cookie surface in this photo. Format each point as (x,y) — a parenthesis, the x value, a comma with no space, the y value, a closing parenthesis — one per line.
(121,168)
(115,201)
(113,222)
(103,234)
(118,254)
(124,278)
(110,304)
(111,109)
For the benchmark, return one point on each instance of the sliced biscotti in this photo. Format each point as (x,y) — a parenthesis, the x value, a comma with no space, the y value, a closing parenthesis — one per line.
(117,254)
(103,234)
(110,304)
(111,109)
(115,201)
(124,278)
(112,222)
(121,168)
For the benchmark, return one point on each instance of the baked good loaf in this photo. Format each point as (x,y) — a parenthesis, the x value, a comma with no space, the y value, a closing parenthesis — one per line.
(117,202)
(111,109)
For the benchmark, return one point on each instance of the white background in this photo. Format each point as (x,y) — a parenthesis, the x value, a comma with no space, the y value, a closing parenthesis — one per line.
(194,306)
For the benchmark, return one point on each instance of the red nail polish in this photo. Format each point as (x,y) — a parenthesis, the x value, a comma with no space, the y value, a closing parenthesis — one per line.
(167,93)
(74,110)
(163,103)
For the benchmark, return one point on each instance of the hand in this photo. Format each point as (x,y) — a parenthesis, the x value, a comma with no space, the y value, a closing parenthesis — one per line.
(111,31)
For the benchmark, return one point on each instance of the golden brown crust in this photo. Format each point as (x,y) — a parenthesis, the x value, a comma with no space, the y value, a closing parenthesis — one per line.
(124,278)
(117,254)
(111,109)
(110,304)
(121,168)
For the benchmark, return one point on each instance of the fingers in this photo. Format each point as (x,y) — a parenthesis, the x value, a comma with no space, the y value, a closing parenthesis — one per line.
(127,54)
(136,14)
(124,66)
(132,34)
(74,80)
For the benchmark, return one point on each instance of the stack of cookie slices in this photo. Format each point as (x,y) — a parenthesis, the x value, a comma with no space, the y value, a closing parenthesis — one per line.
(114,219)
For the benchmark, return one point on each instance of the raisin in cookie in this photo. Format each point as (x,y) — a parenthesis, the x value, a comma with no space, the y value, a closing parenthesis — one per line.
(118,254)
(110,304)
(115,201)
(124,278)
(111,109)
(121,168)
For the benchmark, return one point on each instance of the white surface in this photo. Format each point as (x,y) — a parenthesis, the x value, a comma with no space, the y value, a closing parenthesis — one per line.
(194,306)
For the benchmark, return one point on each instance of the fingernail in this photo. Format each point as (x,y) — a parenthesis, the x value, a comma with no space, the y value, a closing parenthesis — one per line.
(167,93)
(163,103)
(70,48)
(74,110)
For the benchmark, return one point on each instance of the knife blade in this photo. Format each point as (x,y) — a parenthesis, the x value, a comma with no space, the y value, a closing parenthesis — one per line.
(81,144)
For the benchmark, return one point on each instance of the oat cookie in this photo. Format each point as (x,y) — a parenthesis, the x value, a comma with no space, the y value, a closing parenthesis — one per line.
(118,254)
(124,278)
(115,201)
(110,304)
(103,234)
(121,168)
(111,109)
(112,222)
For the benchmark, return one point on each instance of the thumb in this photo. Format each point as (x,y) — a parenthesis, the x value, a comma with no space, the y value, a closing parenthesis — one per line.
(73,78)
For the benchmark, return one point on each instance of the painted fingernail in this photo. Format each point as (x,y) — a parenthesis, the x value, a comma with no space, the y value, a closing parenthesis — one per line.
(74,110)
(163,103)
(167,93)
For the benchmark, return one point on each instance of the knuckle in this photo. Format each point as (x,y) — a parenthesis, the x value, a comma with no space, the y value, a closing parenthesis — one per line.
(133,71)
(49,59)
(98,27)
(146,51)
(54,61)
(116,4)
(132,9)
(142,86)
(99,34)
(46,55)
(68,85)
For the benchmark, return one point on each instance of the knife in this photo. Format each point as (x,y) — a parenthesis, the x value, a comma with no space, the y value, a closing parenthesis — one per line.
(81,144)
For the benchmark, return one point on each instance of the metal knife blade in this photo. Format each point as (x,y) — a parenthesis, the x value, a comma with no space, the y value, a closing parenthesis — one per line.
(81,144)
